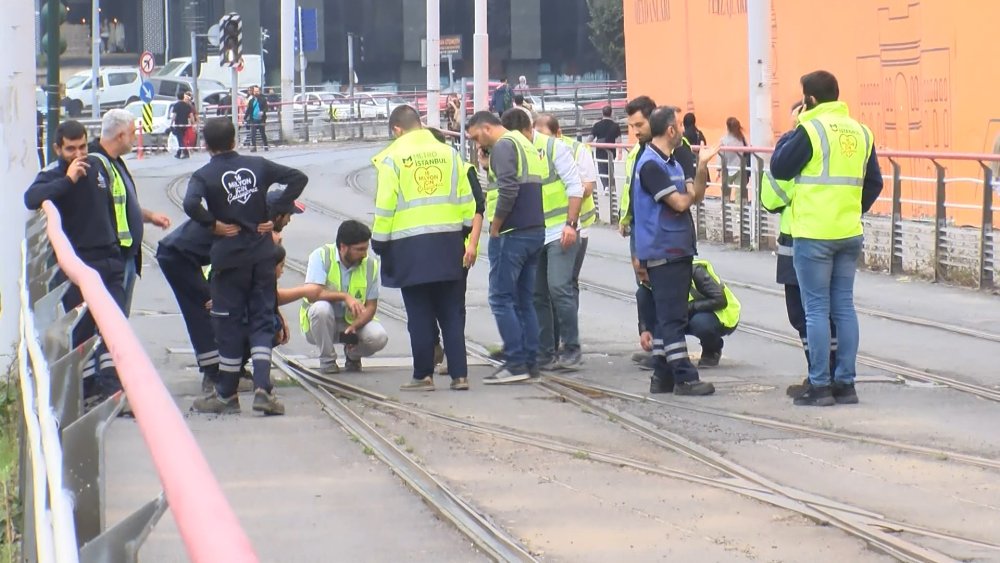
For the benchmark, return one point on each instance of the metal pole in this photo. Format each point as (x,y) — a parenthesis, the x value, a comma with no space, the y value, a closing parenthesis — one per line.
(234,103)
(287,69)
(461,123)
(52,80)
(434,63)
(481,59)
(18,158)
(195,71)
(759,59)
(95,55)
(166,31)
(350,71)
(451,72)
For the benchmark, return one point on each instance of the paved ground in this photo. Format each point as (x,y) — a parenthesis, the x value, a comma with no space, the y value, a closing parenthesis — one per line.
(306,492)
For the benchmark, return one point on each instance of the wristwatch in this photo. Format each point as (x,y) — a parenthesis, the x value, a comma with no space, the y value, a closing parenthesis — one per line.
(574,224)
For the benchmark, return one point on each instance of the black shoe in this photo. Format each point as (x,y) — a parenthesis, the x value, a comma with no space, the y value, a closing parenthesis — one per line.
(844,394)
(661,385)
(647,364)
(694,388)
(534,372)
(796,390)
(816,397)
(709,360)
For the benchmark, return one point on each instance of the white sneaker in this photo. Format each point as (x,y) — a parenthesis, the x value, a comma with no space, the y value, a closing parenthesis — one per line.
(504,376)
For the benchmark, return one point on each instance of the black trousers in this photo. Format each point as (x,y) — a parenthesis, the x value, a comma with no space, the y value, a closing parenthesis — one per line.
(671,284)
(100,377)
(244,292)
(183,273)
(255,128)
(428,306)
(797,318)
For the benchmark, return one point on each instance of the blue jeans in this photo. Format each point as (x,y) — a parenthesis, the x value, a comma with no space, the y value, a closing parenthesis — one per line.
(513,262)
(708,329)
(826,269)
(555,300)
(129,283)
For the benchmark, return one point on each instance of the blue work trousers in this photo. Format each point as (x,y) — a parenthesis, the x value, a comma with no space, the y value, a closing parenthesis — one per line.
(513,264)
(671,284)
(429,305)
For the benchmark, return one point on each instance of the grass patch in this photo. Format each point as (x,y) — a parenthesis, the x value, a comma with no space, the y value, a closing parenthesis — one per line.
(368,451)
(400,440)
(10,506)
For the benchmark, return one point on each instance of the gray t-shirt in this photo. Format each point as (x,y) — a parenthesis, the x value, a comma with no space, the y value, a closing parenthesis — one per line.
(319,265)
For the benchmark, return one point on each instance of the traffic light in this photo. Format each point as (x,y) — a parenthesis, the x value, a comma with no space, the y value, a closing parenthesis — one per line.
(361,44)
(230,39)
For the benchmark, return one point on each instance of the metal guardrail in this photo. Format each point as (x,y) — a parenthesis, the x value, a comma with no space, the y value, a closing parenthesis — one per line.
(62,481)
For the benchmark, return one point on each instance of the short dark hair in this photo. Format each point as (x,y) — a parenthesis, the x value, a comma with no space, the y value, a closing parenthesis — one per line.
(821,85)
(549,121)
(689,119)
(353,232)
(70,130)
(279,254)
(660,119)
(219,133)
(518,100)
(516,120)
(483,118)
(643,104)
(606,111)
(404,117)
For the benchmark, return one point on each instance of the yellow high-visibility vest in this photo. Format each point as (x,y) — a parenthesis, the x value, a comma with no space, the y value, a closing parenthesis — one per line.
(119,197)
(362,276)
(730,316)
(531,168)
(588,209)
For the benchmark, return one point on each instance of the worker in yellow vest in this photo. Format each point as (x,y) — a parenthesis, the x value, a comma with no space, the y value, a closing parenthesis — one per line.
(831,157)
(424,208)
(117,140)
(516,218)
(562,200)
(340,298)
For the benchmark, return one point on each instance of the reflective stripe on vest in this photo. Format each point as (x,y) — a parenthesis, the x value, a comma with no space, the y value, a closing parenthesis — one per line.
(431,195)
(529,170)
(555,202)
(119,197)
(361,276)
(730,316)
(827,201)
(588,208)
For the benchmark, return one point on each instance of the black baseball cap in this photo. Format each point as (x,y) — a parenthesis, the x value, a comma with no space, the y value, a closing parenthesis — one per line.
(275,208)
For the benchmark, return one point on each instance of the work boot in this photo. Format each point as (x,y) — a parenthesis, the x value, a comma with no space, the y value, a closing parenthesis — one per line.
(662,384)
(640,357)
(571,360)
(352,366)
(460,384)
(797,389)
(245,386)
(216,404)
(709,359)
(694,388)
(207,384)
(267,403)
(844,394)
(816,397)
(648,363)
(425,384)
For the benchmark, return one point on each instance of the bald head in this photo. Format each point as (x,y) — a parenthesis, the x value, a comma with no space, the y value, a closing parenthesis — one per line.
(548,124)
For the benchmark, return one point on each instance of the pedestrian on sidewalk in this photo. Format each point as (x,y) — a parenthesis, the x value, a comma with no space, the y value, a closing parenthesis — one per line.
(182,120)
(256,117)
(835,182)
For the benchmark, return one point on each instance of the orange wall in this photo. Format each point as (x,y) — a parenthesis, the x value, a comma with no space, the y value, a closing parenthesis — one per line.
(921,73)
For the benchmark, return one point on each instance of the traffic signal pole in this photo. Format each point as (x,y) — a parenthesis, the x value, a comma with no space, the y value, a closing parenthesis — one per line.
(287,69)
(481,59)
(52,75)
(433,63)
(95,58)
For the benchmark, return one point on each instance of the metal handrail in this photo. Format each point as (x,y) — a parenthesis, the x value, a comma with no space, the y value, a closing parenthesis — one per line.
(207,524)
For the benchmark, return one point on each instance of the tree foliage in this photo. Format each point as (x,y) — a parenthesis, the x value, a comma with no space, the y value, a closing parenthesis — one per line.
(607,32)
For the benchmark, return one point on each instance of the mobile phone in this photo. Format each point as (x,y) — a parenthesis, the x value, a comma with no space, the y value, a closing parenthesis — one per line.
(346,338)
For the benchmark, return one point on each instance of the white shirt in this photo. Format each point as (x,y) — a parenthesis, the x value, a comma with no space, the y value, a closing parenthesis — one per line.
(588,173)
(570,175)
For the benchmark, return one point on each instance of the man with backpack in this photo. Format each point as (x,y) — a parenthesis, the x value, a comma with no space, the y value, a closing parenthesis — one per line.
(255,117)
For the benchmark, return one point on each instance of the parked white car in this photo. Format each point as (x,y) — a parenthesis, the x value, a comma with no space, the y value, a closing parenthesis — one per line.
(117,86)
(376,105)
(161,115)
(551,105)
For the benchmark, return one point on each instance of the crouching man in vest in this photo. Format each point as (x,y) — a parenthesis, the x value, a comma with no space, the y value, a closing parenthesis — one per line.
(340,300)
(713,312)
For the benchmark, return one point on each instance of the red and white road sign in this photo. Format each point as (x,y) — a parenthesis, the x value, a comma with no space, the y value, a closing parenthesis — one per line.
(147,63)
(239,66)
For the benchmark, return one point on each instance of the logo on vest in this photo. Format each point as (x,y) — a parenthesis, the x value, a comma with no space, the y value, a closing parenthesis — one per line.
(239,185)
(408,162)
(428,179)
(848,145)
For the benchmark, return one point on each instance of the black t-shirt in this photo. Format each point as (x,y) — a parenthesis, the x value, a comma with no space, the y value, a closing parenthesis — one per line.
(606,131)
(182,113)
(685,157)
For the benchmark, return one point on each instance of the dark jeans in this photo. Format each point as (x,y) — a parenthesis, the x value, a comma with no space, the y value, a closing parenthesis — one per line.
(102,373)
(246,291)
(797,318)
(671,285)
(826,269)
(255,128)
(179,131)
(706,327)
(513,261)
(183,274)
(427,306)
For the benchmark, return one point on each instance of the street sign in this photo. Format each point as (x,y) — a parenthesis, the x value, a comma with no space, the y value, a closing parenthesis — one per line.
(147,117)
(239,66)
(213,35)
(146,91)
(451,45)
(147,63)
(310,31)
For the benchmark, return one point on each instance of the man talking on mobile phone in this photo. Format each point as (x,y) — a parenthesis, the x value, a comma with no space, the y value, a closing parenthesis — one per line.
(339,299)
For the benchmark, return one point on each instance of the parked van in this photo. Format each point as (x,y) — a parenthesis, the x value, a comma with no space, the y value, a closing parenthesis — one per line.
(118,86)
(253,70)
